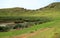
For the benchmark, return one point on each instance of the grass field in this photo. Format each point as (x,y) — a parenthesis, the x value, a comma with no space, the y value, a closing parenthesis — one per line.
(47,34)
(51,33)
(54,32)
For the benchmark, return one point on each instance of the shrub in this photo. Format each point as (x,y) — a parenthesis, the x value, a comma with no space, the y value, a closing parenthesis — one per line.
(17,26)
(4,28)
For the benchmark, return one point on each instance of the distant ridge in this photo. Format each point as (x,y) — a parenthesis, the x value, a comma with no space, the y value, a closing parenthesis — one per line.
(17,11)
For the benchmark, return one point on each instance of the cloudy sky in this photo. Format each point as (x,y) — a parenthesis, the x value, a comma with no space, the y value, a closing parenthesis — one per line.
(29,4)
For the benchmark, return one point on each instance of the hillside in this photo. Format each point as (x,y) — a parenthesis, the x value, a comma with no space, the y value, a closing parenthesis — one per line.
(14,11)
(49,10)
(46,17)
(17,11)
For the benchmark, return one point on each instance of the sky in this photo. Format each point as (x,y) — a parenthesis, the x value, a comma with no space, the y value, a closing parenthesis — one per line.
(58,0)
(28,4)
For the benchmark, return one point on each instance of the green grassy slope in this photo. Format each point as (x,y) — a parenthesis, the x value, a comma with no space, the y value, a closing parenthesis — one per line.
(55,32)
(53,10)
(50,11)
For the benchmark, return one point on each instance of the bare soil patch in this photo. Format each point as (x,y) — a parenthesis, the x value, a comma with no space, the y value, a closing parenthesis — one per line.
(31,34)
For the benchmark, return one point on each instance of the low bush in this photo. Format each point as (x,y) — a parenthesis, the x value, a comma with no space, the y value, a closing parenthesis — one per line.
(17,26)
(25,23)
(4,28)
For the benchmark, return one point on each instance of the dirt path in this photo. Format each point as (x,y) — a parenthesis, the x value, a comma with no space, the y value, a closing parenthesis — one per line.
(31,34)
